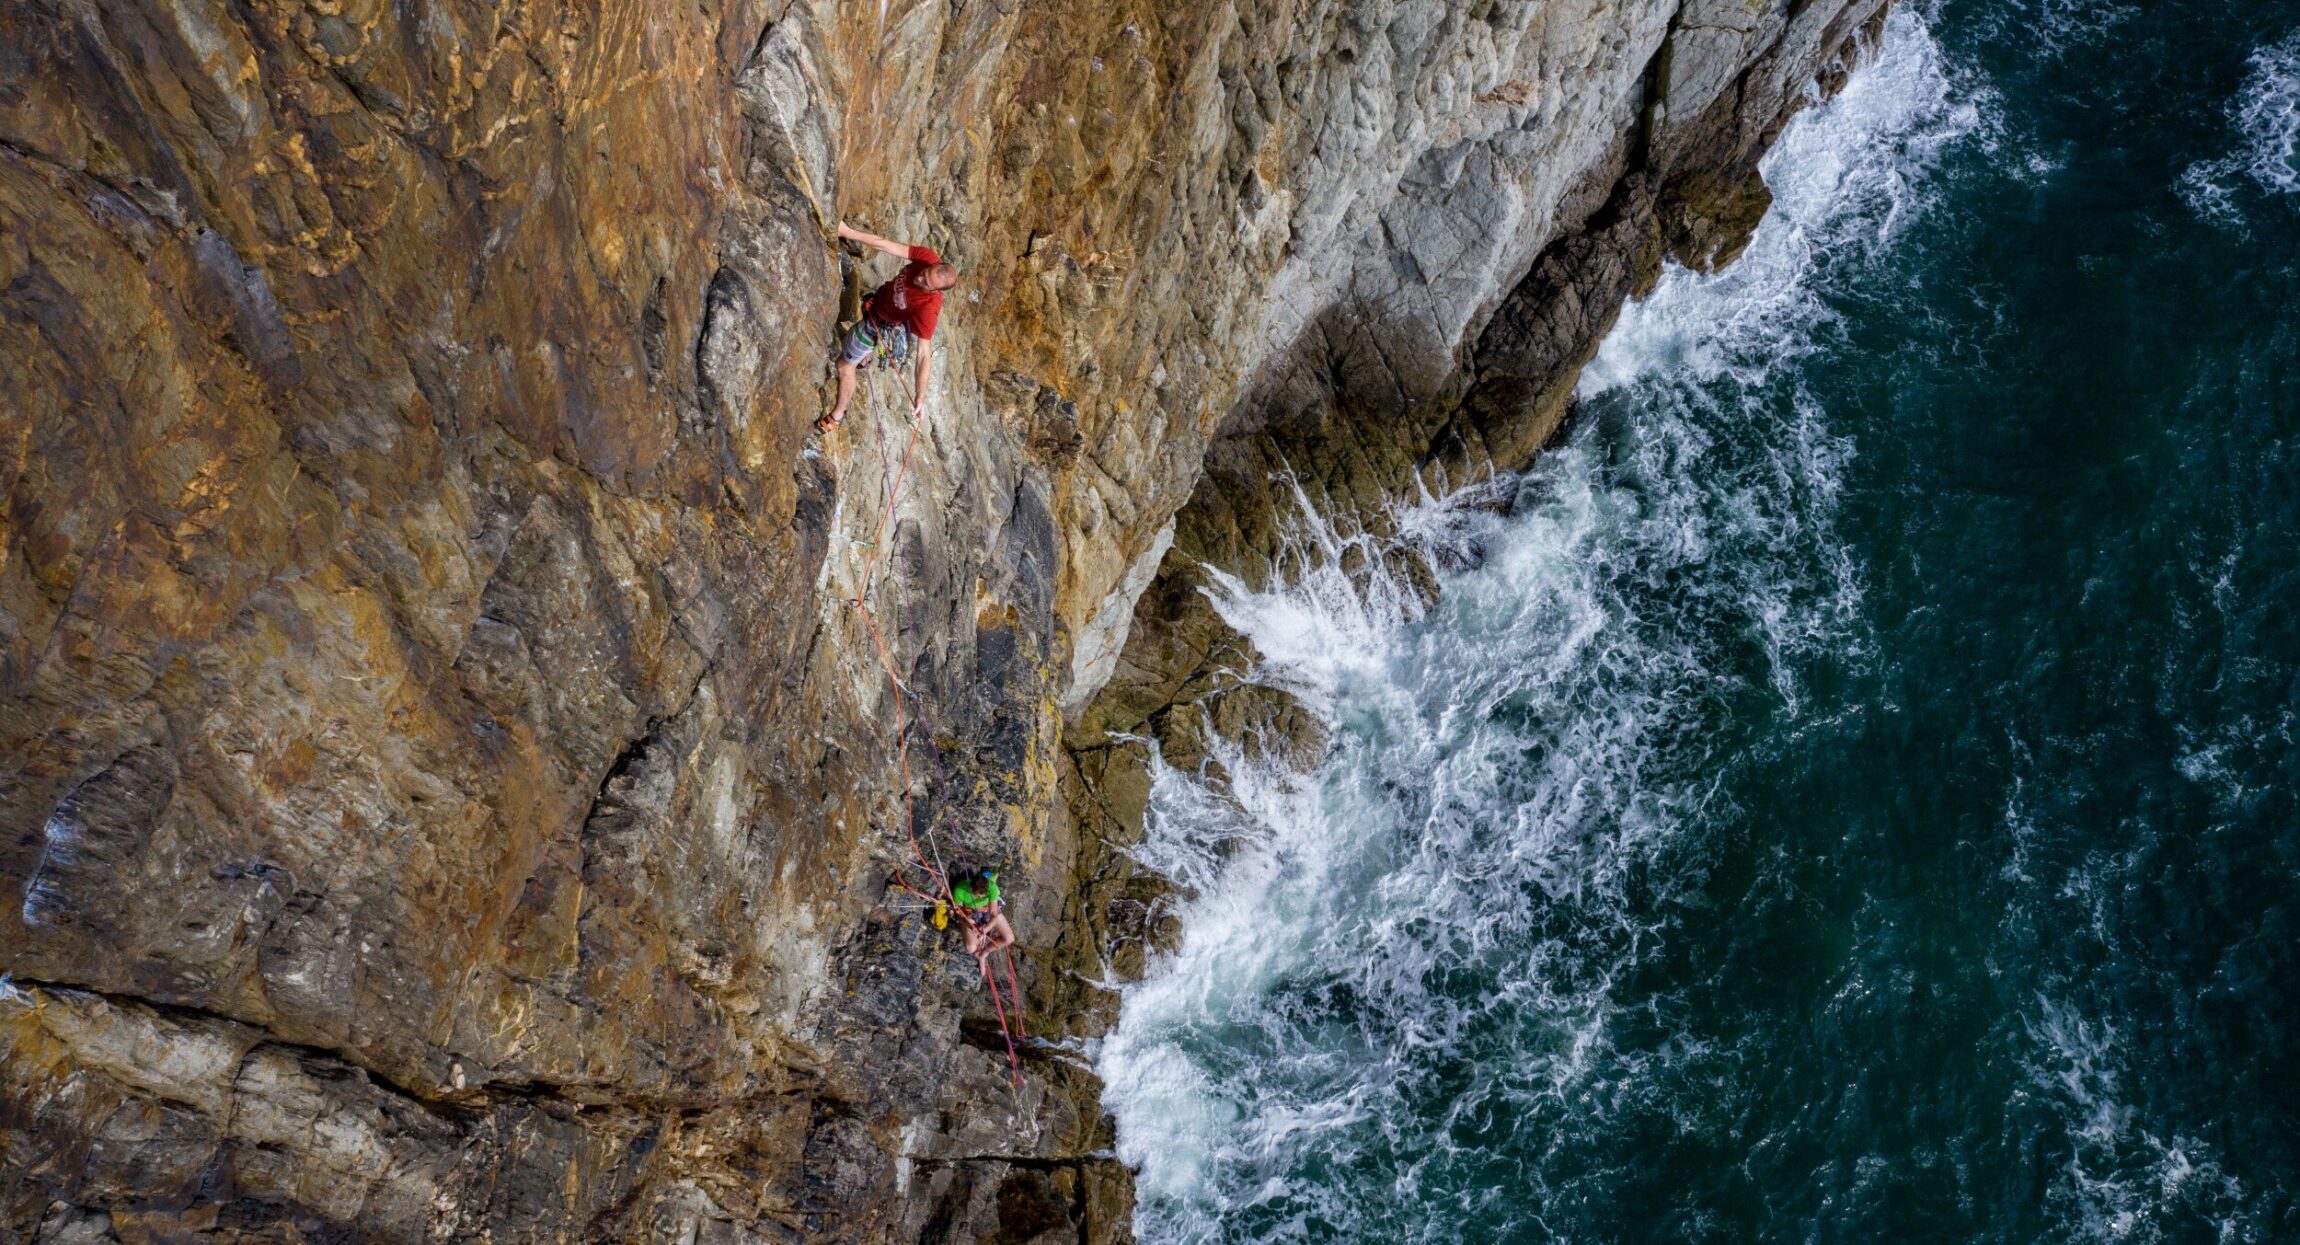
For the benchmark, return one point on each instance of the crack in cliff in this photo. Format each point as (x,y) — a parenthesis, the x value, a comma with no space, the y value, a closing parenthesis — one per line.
(1032,1162)
(453,1106)
(1654,86)
(259,1034)
(1081,1208)
(127,193)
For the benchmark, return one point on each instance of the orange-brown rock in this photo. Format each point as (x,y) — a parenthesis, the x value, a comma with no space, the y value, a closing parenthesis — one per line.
(444,791)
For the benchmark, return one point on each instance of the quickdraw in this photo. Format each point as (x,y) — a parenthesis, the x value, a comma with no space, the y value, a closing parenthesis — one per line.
(891,347)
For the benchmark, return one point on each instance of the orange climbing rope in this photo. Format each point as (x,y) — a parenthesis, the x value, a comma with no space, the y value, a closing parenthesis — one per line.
(882,358)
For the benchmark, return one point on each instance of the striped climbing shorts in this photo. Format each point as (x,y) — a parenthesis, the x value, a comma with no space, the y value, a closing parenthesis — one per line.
(864,338)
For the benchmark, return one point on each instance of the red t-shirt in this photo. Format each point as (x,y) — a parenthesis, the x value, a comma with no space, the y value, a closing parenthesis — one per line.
(901,301)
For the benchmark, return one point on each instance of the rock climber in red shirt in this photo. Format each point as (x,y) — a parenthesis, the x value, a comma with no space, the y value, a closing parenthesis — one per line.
(908,304)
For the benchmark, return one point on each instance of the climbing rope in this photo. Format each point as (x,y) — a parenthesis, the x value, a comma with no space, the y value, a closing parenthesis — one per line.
(891,352)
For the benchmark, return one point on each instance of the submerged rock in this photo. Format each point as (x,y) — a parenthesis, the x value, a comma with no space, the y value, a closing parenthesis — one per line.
(447,787)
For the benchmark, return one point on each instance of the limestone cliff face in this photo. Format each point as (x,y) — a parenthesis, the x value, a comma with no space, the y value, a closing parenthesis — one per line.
(444,790)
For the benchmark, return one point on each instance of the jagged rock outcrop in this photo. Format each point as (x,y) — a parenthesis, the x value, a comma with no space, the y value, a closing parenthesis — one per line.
(448,792)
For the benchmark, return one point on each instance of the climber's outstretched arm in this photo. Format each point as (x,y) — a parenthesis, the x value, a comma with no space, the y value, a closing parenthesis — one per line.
(852,234)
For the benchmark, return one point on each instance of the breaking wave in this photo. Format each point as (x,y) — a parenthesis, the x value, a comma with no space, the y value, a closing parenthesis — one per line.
(1411,979)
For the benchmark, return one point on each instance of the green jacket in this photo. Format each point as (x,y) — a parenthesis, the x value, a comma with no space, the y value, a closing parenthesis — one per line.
(965,897)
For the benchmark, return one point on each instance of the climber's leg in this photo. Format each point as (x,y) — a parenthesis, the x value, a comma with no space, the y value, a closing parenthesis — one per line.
(858,347)
(846,393)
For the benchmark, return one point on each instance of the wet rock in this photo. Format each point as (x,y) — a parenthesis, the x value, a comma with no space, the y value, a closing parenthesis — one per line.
(1353,420)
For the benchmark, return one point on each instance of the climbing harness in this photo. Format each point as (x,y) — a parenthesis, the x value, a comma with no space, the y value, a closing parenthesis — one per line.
(891,351)
(891,345)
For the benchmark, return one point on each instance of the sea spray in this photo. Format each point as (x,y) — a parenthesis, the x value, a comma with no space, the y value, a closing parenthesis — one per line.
(1410,981)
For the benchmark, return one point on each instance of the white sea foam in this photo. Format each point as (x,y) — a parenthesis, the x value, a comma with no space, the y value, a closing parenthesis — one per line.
(1403,976)
(2121,1181)
(2118,1173)
(2266,118)
(1846,181)
(2051,28)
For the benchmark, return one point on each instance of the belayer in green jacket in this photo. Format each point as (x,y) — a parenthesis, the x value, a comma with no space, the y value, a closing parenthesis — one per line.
(974,893)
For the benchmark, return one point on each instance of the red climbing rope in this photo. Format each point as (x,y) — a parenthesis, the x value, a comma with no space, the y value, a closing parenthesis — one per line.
(1013,1061)
(1016,986)
(893,494)
(902,693)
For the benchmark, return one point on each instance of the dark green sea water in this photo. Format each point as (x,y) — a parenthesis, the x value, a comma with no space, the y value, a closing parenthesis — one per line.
(1850,793)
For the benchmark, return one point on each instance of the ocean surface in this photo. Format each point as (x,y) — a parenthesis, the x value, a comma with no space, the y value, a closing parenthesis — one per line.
(1847,791)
